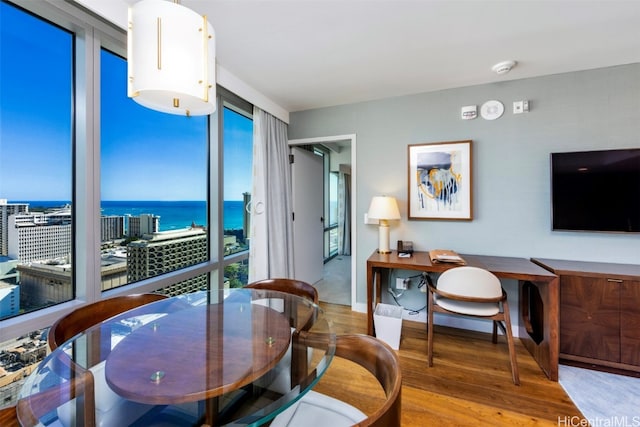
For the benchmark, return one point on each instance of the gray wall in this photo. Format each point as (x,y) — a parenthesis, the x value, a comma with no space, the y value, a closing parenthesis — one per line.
(588,110)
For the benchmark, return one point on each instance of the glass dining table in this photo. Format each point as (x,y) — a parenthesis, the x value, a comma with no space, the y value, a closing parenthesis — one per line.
(231,357)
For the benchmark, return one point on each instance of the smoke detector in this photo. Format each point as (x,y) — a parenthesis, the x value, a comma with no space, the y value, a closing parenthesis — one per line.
(503,67)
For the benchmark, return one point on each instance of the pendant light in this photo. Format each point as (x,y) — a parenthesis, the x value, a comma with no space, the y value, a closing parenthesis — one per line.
(171,59)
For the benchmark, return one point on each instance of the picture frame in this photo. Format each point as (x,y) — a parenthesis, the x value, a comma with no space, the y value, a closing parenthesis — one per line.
(440,181)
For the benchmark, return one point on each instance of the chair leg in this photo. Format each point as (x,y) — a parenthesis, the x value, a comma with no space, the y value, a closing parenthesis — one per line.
(512,350)
(494,337)
(430,329)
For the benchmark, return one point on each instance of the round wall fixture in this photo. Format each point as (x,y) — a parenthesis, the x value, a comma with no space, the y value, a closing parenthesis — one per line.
(504,67)
(491,110)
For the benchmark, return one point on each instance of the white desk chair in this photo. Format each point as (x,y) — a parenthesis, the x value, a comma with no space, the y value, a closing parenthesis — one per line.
(475,292)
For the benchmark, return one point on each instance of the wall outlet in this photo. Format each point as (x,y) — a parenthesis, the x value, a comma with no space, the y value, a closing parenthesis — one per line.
(401,283)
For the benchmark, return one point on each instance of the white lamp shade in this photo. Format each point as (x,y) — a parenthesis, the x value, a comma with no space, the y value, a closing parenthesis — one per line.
(383,207)
(171,59)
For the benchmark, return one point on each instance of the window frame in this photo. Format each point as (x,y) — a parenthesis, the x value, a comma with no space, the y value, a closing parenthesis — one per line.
(91,34)
(229,100)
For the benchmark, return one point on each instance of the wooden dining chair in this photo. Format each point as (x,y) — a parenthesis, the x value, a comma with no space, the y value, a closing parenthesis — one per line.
(319,410)
(69,393)
(9,417)
(111,409)
(279,379)
(474,292)
(91,314)
(290,286)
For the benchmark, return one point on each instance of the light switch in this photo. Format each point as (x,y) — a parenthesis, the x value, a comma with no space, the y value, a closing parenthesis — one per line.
(520,107)
(370,221)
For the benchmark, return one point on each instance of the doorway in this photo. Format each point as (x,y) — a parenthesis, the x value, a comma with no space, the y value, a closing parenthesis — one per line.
(308,217)
(337,285)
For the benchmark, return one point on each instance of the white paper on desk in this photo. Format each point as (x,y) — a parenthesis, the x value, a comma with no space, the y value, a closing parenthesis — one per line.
(445,255)
(448,258)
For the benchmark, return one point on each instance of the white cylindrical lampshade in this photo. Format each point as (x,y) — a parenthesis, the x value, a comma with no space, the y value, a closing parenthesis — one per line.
(383,207)
(171,59)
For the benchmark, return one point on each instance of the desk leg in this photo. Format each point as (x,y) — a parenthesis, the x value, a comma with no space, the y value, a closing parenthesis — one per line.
(373,295)
(370,282)
(374,278)
(539,325)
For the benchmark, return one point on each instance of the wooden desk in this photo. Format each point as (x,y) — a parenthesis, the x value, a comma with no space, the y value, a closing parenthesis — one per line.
(538,323)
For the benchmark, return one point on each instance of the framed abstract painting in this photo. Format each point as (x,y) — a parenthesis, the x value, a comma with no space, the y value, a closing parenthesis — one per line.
(440,181)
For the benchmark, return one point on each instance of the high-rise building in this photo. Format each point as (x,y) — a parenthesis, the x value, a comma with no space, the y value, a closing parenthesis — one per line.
(6,210)
(111,228)
(162,252)
(8,271)
(143,224)
(45,283)
(113,269)
(39,236)
(49,282)
(9,299)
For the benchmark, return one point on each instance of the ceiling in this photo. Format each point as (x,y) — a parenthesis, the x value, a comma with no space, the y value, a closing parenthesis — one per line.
(305,54)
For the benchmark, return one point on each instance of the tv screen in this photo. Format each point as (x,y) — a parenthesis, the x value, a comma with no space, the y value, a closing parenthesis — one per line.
(596,190)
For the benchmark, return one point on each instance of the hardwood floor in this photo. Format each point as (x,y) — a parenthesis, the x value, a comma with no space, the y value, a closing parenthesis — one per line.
(469,383)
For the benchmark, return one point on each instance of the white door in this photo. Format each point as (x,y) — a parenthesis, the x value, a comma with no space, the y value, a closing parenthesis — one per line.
(308,221)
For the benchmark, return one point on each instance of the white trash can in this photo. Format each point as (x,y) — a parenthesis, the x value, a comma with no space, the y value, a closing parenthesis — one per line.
(387,320)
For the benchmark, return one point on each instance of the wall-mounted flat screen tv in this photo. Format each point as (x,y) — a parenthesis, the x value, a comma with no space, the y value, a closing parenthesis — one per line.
(596,191)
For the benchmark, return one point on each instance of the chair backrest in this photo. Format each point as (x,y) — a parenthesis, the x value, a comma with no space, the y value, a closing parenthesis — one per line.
(76,389)
(470,282)
(291,286)
(88,315)
(378,358)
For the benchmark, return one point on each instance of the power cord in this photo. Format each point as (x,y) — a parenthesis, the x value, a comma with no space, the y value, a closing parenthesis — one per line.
(412,312)
(424,277)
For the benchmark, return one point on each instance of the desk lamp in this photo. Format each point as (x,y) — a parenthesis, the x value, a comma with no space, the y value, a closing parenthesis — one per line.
(383,208)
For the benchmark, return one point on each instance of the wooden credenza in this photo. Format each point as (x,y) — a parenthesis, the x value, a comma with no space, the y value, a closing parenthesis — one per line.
(599,313)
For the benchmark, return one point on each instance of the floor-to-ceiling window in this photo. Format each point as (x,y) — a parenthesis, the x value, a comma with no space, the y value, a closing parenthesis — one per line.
(330,180)
(153,187)
(36,145)
(158,201)
(237,142)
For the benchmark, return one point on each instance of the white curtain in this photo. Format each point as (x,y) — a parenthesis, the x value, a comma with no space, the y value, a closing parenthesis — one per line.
(271,252)
(344,213)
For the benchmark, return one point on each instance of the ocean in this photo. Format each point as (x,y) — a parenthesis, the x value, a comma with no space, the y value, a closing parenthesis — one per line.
(173,215)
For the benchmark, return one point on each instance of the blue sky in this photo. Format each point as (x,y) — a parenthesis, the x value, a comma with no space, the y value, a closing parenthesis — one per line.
(145,155)
(35,127)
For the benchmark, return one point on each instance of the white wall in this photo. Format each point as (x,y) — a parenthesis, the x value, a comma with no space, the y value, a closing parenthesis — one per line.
(587,110)
(341,158)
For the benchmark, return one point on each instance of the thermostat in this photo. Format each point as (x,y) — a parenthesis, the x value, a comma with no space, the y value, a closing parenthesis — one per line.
(469,112)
